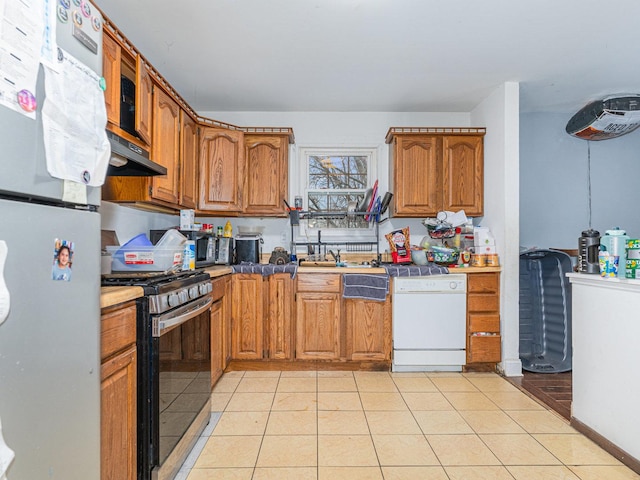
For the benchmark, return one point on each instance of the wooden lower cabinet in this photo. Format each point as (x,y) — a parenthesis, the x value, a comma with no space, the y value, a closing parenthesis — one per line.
(221,293)
(280,317)
(483,318)
(317,326)
(118,409)
(318,316)
(306,319)
(217,352)
(368,329)
(247,316)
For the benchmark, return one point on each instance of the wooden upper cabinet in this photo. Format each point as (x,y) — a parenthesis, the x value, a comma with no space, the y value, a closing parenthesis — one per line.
(222,165)
(416,174)
(432,170)
(165,148)
(267,172)
(111,60)
(188,160)
(144,101)
(118,62)
(463,170)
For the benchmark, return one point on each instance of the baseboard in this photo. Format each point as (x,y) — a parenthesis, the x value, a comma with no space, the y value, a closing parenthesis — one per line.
(510,368)
(630,461)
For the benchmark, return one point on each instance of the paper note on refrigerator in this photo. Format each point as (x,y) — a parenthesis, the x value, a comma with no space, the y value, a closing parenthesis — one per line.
(74,118)
(22,27)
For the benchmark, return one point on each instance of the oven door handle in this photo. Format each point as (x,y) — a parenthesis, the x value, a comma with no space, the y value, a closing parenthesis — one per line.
(170,320)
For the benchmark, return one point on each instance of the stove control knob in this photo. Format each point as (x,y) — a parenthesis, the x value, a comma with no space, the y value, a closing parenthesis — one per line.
(202,288)
(174,301)
(193,292)
(209,287)
(183,295)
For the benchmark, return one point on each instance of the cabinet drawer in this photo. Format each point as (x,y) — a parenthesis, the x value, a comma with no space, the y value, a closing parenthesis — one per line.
(483,303)
(319,282)
(218,286)
(118,330)
(484,349)
(483,283)
(484,323)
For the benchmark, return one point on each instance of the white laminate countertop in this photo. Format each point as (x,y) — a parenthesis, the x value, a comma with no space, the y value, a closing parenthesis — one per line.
(605,282)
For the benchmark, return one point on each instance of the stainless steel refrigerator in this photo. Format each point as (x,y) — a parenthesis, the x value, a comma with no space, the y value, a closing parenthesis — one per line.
(50,340)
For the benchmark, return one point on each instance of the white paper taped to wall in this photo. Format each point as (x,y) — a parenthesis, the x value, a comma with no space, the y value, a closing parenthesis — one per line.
(6,456)
(5,298)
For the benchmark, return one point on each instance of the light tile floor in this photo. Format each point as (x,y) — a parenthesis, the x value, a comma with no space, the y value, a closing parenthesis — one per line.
(392,426)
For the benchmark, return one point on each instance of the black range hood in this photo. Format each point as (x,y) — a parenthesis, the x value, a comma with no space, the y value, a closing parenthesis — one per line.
(129,160)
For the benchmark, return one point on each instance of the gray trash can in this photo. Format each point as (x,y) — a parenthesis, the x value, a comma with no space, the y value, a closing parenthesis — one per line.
(545,311)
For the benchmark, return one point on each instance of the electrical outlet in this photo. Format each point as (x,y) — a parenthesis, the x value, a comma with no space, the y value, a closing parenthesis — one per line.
(284,237)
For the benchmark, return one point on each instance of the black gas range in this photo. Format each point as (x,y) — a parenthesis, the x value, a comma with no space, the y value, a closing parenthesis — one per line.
(174,366)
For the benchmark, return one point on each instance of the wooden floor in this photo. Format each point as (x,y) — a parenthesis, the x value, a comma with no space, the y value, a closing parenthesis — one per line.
(554,389)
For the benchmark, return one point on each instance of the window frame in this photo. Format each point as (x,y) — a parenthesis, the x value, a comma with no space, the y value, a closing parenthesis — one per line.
(308,232)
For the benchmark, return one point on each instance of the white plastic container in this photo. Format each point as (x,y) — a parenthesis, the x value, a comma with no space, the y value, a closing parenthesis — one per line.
(172,238)
(615,242)
(144,259)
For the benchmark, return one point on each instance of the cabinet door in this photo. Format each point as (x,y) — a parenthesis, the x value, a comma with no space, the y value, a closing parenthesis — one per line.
(226,319)
(221,170)
(144,101)
(111,60)
(188,160)
(281,312)
(165,148)
(247,316)
(463,174)
(317,326)
(368,329)
(416,173)
(266,175)
(217,352)
(118,417)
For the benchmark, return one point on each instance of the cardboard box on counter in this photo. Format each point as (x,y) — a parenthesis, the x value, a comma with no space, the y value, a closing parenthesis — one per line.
(482,236)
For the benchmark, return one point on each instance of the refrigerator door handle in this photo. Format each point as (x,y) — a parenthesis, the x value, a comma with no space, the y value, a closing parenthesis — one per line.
(170,320)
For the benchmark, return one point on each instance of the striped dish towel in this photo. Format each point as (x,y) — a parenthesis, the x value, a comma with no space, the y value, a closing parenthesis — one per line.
(368,286)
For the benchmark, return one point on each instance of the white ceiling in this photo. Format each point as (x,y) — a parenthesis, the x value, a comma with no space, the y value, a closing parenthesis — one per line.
(385,55)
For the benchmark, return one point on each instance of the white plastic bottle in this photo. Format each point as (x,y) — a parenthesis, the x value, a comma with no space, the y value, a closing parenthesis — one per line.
(615,242)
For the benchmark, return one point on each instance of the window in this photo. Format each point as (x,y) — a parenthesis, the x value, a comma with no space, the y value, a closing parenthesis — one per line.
(334,179)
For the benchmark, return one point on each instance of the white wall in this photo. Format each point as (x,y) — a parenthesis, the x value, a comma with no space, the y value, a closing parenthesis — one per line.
(500,114)
(128,222)
(554,183)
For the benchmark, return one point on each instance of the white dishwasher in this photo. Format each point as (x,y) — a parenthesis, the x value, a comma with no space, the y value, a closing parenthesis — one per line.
(429,323)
